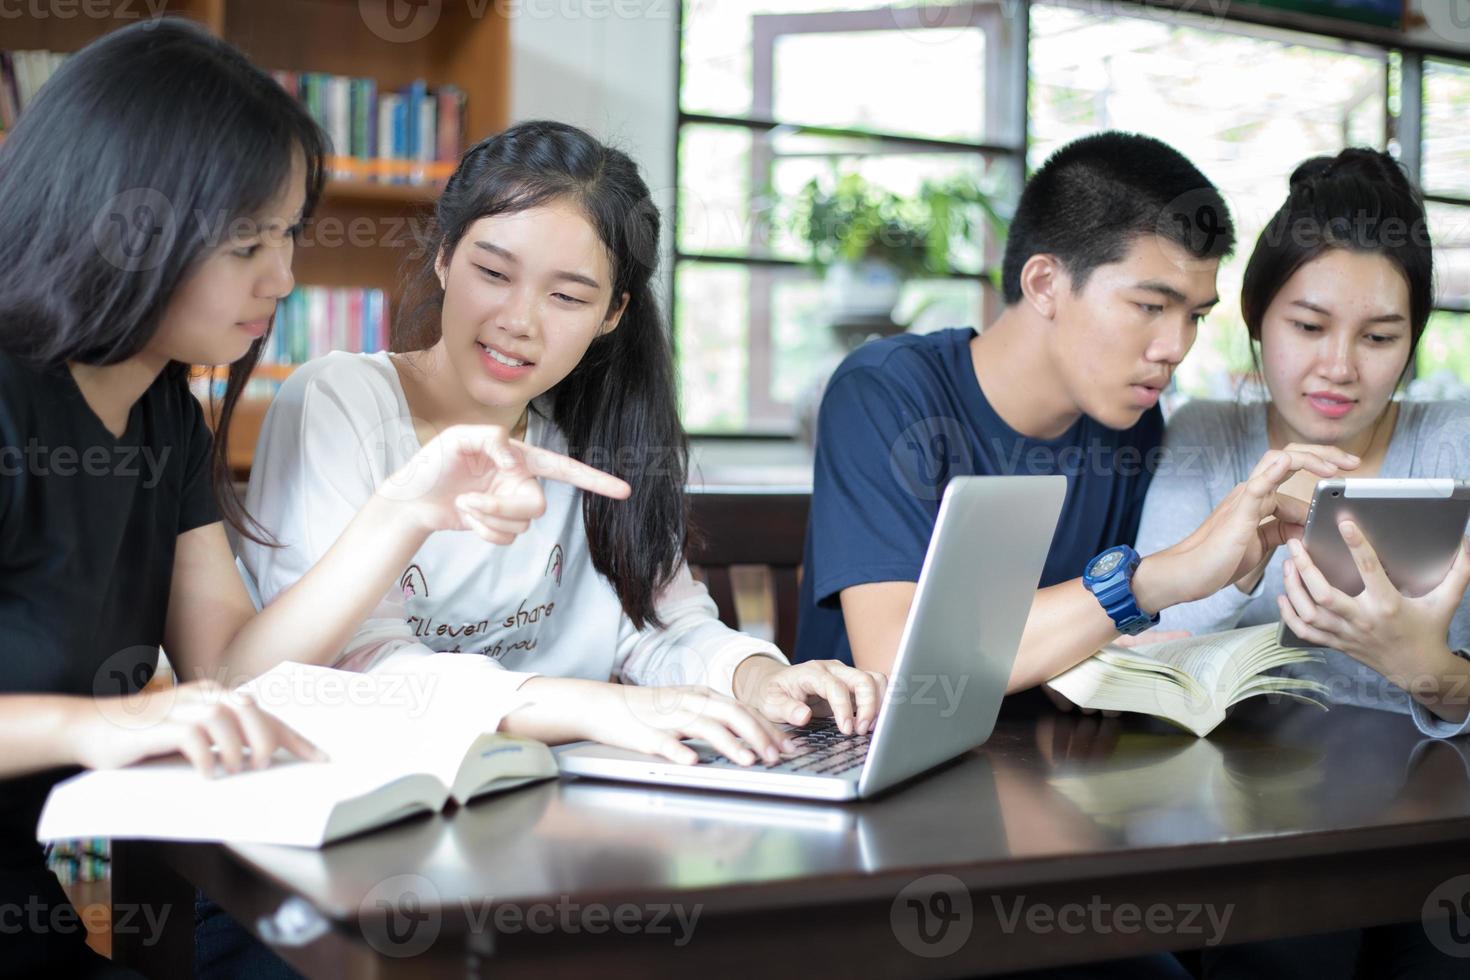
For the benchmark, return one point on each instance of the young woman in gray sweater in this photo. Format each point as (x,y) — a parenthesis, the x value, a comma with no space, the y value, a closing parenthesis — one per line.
(1336,296)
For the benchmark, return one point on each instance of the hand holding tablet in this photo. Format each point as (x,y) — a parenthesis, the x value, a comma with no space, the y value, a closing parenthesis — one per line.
(1381,568)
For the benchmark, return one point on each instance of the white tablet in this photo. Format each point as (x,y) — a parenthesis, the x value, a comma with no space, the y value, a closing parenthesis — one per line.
(1414,526)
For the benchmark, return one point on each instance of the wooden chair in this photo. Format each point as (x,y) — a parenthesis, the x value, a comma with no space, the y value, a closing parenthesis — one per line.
(750,527)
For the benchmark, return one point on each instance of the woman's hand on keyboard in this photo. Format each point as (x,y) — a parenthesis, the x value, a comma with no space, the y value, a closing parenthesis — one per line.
(781,693)
(652,720)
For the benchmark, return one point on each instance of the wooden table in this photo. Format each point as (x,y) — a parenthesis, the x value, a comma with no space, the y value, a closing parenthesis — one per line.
(1064,839)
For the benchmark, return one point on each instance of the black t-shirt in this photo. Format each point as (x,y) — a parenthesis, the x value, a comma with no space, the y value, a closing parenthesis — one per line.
(88,526)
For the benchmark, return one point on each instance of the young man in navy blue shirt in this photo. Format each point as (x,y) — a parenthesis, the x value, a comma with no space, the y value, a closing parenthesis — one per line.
(1109,267)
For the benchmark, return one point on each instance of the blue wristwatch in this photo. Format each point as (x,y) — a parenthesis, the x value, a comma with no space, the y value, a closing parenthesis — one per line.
(1109,576)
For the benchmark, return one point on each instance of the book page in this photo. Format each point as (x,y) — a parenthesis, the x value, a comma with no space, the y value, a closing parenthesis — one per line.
(498,762)
(288,803)
(1120,680)
(1208,659)
(417,715)
(1189,681)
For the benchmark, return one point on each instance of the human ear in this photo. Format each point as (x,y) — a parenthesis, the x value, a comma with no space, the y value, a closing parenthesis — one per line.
(614,316)
(1042,280)
(441,268)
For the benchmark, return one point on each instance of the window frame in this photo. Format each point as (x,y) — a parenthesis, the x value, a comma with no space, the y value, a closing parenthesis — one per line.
(1405,129)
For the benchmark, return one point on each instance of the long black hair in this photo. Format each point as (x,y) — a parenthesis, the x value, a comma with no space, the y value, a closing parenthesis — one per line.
(618,407)
(1360,200)
(119,178)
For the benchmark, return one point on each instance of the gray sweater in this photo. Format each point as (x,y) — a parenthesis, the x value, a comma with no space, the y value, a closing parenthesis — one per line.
(1211,446)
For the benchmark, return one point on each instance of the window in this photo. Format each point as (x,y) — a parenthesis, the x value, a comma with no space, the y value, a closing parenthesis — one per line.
(1245,104)
(1443,361)
(773,92)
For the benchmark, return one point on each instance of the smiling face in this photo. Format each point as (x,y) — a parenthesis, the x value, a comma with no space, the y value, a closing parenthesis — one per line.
(1334,343)
(525,295)
(227,302)
(1118,340)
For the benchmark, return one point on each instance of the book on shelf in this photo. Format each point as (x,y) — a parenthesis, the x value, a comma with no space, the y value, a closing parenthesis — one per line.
(398,745)
(412,136)
(310,322)
(1191,681)
(22,73)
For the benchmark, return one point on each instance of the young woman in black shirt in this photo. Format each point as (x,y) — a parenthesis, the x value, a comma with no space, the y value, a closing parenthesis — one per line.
(150,199)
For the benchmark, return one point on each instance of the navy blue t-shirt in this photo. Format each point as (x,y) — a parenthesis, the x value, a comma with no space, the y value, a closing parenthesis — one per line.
(898,419)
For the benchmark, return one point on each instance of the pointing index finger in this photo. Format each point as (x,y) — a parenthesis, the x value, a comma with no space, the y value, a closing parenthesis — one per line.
(554,466)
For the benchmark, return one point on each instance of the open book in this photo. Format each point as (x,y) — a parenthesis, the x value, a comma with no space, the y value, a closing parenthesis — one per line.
(399,744)
(1190,681)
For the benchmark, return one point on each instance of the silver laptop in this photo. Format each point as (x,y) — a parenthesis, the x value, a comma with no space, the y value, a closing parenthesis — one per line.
(975,590)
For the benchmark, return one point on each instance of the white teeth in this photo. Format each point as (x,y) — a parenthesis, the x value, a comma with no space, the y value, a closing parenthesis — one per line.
(507,361)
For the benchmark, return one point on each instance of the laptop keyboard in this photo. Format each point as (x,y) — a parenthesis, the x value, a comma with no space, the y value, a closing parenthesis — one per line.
(821,750)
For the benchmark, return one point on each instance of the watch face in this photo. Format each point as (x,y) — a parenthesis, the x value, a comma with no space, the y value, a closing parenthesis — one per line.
(1106,563)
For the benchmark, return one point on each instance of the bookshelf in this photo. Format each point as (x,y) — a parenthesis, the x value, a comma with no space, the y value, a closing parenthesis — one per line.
(469,48)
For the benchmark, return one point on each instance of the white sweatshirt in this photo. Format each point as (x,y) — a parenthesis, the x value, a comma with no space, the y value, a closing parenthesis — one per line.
(339,428)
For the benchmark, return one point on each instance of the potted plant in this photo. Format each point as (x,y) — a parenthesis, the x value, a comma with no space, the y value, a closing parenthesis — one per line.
(867,240)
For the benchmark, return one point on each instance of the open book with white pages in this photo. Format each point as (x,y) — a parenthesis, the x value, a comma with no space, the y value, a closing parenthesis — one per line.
(399,743)
(1191,681)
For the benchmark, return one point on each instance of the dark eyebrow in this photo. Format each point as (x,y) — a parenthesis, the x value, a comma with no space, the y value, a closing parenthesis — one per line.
(1171,294)
(1382,318)
(509,256)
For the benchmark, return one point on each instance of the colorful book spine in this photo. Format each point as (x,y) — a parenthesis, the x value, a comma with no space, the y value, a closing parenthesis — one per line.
(387,113)
(451,123)
(314,320)
(414,135)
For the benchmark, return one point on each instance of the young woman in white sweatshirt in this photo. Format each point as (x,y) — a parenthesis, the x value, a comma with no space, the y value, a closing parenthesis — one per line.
(533,313)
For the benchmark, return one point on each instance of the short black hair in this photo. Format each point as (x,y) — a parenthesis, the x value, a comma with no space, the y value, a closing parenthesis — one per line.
(1094,196)
(1360,200)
